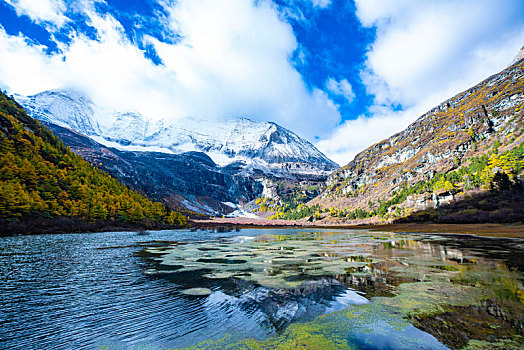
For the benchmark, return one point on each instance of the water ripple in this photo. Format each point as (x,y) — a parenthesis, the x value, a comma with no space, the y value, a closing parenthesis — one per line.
(82,291)
(64,292)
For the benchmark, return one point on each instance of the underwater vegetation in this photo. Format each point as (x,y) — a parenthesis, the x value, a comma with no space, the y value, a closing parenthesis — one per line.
(423,292)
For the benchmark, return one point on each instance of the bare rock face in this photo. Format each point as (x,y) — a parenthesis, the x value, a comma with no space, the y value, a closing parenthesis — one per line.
(441,140)
(189,180)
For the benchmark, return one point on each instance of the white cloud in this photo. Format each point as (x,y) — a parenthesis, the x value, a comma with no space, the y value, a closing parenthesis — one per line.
(301,10)
(233,59)
(353,136)
(25,67)
(425,52)
(50,11)
(341,88)
(427,47)
(112,71)
(321,3)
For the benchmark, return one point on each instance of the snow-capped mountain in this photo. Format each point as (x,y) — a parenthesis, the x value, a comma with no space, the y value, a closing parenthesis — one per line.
(65,108)
(199,165)
(255,146)
(258,145)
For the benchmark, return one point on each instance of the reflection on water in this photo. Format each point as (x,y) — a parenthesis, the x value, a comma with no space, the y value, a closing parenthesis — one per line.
(179,288)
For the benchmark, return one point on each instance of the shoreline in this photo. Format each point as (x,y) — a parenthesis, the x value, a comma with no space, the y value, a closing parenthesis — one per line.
(63,224)
(494,230)
(510,230)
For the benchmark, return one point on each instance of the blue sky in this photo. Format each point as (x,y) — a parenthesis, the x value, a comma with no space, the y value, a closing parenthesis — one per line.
(342,74)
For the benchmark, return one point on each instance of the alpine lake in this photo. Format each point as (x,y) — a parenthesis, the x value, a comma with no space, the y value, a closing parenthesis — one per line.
(261,289)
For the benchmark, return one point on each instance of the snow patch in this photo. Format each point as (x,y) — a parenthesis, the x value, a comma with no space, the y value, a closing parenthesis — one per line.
(131,148)
(198,207)
(229,204)
(239,212)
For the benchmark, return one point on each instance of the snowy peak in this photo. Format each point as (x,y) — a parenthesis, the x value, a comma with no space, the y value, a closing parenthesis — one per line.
(63,107)
(259,146)
(130,127)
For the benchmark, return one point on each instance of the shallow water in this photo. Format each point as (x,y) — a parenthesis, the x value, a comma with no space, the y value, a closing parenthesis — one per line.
(174,289)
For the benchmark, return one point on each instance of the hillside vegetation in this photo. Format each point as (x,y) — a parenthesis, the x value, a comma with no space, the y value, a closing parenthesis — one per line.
(40,178)
(470,145)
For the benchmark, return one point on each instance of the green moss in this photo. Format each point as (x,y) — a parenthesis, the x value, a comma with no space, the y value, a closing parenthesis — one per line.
(502,344)
(305,336)
(299,336)
(429,298)
(427,284)
(197,291)
(273,260)
(505,285)
(384,317)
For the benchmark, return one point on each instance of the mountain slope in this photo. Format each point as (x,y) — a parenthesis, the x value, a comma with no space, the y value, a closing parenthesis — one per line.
(62,108)
(190,179)
(454,153)
(198,165)
(456,147)
(41,178)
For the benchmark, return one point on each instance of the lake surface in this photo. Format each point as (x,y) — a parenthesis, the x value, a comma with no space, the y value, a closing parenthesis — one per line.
(268,288)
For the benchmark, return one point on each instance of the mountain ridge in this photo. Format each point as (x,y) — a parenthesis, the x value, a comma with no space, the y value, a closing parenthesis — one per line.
(442,140)
(188,180)
(234,160)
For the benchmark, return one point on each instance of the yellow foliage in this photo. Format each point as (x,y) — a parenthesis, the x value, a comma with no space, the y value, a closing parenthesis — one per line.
(442,184)
(40,176)
(504,163)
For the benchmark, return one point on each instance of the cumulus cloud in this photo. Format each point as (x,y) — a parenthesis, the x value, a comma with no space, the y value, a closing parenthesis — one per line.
(425,52)
(20,60)
(111,70)
(435,48)
(41,11)
(233,59)
(341,88)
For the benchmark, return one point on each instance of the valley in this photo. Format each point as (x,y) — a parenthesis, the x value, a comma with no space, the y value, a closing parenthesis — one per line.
(461,162)
(191,165)
(261,175)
